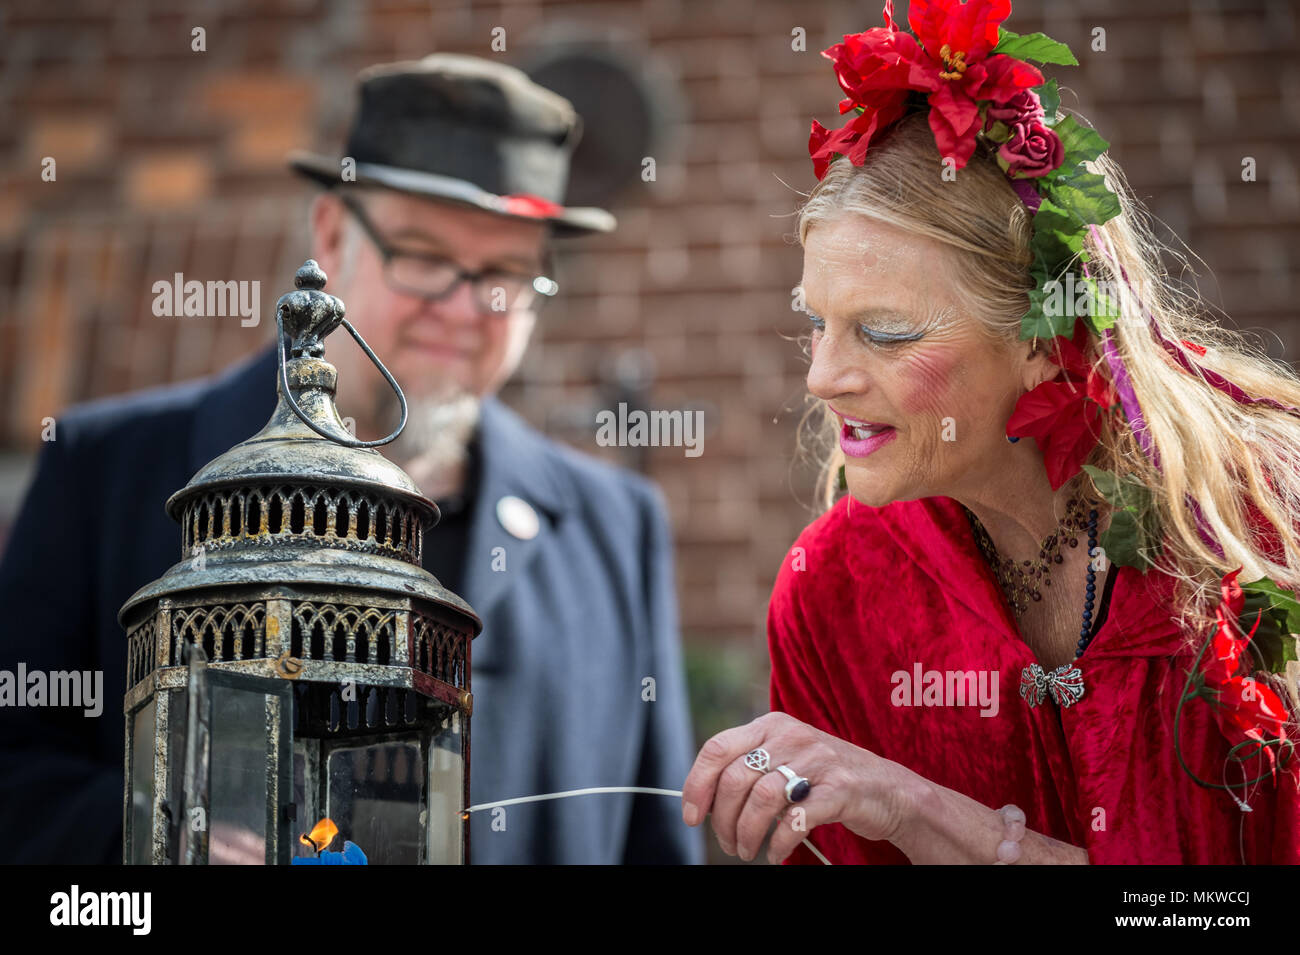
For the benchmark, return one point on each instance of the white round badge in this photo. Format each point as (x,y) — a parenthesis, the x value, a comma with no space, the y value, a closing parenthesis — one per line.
(518,517)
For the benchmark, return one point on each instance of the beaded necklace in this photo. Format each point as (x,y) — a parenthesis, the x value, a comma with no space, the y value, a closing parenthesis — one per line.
(1065,683)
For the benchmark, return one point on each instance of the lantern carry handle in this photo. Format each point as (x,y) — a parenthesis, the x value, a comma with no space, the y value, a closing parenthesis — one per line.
(315,314)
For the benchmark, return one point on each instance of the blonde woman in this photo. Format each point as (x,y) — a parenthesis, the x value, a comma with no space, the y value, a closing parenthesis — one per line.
(1050,621)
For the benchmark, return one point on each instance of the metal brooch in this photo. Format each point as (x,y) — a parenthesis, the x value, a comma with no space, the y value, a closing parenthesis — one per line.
(1064,684)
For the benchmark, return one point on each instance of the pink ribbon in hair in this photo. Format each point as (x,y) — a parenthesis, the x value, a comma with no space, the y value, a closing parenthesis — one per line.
(1128,398)
(1180,355)
(1133,410)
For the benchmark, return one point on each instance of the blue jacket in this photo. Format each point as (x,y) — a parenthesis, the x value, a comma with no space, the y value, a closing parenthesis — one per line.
(583,612)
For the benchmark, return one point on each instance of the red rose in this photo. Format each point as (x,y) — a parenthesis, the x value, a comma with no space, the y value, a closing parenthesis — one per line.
(1023,108)
(1033,150)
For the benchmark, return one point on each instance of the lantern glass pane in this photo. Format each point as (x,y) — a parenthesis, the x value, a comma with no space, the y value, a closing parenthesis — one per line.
(447,794)
(374,799)
(237,800)
(142,758)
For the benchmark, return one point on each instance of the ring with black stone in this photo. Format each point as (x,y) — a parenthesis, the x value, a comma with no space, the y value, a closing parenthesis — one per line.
(796,788)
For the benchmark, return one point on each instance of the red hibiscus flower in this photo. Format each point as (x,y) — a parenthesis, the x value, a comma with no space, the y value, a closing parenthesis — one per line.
(1064,415)
(1226,643)
(948,60)
(853,138)
(957,71)
(873,71)
(1246,709)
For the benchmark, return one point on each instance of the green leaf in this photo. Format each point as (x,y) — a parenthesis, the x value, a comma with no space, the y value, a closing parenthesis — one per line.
(1122,540)
(1050,97)
(1081,142)
(1058,236)
(999,132)
(1085,195)
(1279,598)
(1133,535)
(1101,310)
(1290,651)
(1106,482)
(1059,227)
(1055,320)
(1272,642)
(1038,47)
(1038,322)
(1106,314)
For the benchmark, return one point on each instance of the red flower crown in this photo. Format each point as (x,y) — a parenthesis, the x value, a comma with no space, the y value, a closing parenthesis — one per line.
(948,60)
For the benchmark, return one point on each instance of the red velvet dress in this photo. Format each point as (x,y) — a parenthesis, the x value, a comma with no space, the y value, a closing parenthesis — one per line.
(876,592)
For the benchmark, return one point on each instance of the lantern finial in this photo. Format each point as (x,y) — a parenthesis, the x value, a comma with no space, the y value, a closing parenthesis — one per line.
(309,315)
(310,275)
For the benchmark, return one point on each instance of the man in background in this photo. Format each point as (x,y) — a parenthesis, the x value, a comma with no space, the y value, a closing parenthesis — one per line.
(434,228)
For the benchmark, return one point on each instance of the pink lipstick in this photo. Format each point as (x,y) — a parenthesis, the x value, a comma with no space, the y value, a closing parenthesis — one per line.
(860,438)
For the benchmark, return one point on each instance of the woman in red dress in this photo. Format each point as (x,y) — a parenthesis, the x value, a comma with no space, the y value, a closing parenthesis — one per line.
(1076,648)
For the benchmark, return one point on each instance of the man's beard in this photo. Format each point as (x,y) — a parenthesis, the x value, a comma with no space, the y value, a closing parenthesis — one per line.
(434,445)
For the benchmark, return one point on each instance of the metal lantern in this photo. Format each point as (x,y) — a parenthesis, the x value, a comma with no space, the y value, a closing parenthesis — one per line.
(298,664)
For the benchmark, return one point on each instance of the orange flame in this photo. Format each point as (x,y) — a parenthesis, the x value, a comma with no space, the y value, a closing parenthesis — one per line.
(321,835)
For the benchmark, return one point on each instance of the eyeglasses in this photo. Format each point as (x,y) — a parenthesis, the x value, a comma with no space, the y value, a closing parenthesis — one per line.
(434,277)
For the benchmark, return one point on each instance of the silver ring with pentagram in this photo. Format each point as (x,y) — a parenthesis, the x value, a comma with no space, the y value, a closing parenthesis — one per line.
(796,788)
(758,759)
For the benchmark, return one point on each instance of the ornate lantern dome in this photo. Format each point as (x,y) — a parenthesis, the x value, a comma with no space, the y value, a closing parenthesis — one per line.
(302,569)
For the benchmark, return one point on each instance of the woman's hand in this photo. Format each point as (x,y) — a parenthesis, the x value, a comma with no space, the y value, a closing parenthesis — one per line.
(872,797)
(869,795)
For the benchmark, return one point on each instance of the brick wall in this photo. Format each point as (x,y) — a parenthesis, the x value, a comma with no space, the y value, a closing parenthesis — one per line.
(170,160)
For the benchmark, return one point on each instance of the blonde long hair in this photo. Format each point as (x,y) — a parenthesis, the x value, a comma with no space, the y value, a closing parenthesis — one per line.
(1211,448)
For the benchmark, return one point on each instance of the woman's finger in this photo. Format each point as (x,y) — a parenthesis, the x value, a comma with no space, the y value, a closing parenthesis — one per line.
(714,757)
(733,791)
(765,803)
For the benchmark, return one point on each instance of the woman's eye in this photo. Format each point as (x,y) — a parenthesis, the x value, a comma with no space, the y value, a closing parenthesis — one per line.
(886,338)
(868,334)
(875,338)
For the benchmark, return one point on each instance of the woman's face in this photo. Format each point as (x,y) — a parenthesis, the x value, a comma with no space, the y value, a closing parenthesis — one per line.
(922,399)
